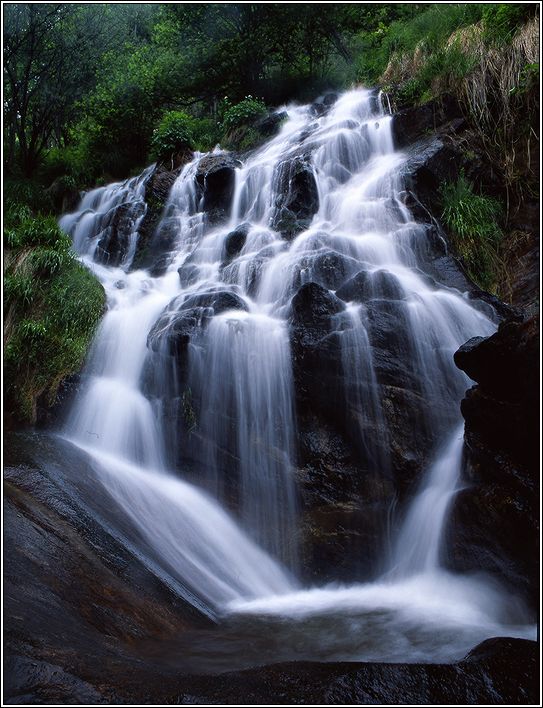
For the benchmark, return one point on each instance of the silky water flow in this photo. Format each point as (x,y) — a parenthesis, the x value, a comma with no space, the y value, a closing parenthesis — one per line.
(244,565)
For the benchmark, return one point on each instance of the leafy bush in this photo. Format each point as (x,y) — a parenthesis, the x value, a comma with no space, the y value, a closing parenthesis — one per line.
(70,163)
(242,113)
(53,305)
(474,224)
(173,133)
(26,194)
(500,22)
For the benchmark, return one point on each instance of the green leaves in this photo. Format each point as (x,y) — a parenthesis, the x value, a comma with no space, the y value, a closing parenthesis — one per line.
(246,111)
(173,133)
(53,305)
(474,222)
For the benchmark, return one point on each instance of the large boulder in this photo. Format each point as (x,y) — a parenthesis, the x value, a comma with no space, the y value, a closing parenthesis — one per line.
(297,199)
(186,316)
(326,267)
(216,179)
(117,229)
(153,246)
(411,124)
(234,242)
(269,125)
(495,524)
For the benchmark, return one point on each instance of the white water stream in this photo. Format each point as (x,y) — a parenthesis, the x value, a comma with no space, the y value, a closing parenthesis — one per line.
(240,372)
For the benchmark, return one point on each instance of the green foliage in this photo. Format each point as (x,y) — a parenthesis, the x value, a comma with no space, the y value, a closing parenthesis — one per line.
(53,305)
(242,113)
(172,134)
(474,222)
(26,195)
(426,31)
(500,22)
(528,80)
(69,162)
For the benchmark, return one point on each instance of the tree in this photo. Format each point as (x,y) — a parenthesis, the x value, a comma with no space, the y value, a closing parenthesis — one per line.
(51,53)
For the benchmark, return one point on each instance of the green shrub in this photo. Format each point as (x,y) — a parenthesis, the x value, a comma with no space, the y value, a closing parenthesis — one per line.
(69,163)
(474,223)
(53,305)
(242,113)
(173,133)
(500,22)
(26,194)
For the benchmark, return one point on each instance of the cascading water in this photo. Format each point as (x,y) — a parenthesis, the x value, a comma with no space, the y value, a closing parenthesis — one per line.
(209,340)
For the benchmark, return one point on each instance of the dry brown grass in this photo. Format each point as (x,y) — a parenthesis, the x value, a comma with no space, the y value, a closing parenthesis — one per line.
(496,102)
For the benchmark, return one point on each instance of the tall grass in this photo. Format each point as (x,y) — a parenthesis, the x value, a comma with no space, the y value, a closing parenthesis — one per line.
(474,223)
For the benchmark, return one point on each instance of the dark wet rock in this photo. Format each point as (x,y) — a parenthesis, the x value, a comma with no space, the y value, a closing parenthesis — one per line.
(388,331)
(313,306)
(327,268)
(366,285)
(491,305)
(499,671)
(409,440)
(234,242)
(323,104)
(269,126)
(411,124)
(218,300)
(431,162)
(342,505)
(116,229)
(152,245)
(495,520)
(77,603)
(188,274)
(503,672)
(215,176)
(160,265)
(297,199)
(185,318)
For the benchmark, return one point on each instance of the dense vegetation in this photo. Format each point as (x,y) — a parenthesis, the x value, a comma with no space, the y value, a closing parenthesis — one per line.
(97,91)
(52,307)
(114,73)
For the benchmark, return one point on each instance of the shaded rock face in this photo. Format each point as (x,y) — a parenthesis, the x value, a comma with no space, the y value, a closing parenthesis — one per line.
(77,600)
(351,463)
(152,247)
(234,242)
(341,505)
(269,126)
(185,317)
(298,200)
(411,124)
(117,228)
(216,179)
(495,520)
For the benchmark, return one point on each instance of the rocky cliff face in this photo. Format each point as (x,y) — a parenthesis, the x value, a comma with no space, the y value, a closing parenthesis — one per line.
(495,524)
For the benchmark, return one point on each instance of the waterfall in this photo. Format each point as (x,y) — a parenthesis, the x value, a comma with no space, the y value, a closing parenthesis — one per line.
(419,539)
(208,341)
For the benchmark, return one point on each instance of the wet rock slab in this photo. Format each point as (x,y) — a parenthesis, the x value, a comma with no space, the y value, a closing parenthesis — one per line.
(87,623)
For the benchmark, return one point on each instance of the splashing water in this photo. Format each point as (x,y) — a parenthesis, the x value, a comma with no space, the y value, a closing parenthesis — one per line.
(239,374)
